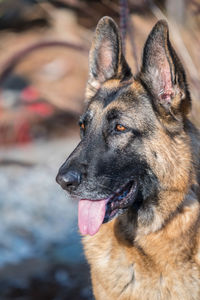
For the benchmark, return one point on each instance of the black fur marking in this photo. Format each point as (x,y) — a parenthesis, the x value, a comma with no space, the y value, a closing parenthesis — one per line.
(110,98)
(113,114)
(154,154)
(131,282)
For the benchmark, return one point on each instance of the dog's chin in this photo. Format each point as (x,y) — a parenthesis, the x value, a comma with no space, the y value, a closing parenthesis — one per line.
(121,200)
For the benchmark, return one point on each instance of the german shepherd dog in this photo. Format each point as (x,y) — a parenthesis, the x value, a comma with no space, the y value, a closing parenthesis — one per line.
(136,173)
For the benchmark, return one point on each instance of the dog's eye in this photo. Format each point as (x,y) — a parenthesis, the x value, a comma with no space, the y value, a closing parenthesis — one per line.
(120,127)
(82,125)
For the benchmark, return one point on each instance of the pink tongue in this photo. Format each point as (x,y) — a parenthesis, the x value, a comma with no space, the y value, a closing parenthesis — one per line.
(91,215)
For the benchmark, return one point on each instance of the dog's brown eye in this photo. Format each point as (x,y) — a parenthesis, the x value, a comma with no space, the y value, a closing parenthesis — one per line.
(82,126)
(120,127)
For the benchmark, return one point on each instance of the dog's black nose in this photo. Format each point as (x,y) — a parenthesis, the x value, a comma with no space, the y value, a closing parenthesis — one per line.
(68,180)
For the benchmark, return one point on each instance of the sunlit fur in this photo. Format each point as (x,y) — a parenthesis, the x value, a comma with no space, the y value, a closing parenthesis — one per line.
(152,250)
(153,255)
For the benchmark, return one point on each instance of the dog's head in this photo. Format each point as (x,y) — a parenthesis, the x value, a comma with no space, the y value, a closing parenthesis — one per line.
(133,143)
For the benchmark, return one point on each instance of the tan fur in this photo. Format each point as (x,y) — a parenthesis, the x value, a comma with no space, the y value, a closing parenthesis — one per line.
(140,156)
(151,257)
(161,264)
(160,260)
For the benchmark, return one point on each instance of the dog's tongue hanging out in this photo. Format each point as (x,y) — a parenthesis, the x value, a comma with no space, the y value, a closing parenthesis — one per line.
(91,214)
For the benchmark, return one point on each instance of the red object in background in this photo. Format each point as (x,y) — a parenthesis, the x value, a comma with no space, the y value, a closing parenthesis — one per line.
(19,131)
(22,132)
(42,109)
(30,94)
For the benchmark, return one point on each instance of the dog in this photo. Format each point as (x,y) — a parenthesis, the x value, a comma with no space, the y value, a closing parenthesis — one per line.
(136,173)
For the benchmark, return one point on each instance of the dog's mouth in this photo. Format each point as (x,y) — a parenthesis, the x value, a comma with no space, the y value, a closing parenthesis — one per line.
(122,199)
(93,213)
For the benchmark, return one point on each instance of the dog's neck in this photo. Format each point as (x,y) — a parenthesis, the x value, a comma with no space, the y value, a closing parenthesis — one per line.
(149,220)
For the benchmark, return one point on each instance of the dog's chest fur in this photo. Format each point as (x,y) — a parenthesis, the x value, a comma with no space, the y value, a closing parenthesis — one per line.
(159,266)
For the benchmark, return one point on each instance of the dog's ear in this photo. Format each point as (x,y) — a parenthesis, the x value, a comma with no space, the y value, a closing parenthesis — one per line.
(106,60)
(164,74)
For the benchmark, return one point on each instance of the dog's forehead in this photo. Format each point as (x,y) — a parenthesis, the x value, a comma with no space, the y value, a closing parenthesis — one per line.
(129,99)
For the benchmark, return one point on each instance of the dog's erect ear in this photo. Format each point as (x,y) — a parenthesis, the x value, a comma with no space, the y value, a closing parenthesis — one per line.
(106,60)
(163,72)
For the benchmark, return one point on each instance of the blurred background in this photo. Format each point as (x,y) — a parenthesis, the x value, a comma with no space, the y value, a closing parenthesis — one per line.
(43,72)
